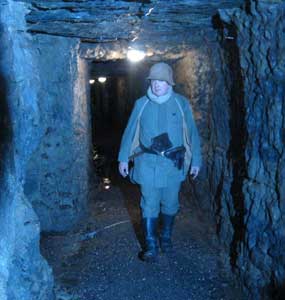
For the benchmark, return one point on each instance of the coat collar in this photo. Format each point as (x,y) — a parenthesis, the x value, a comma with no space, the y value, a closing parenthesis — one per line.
(160,99)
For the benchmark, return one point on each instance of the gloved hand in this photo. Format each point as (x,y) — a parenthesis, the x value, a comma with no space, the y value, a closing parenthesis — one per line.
(124,168)
(194,171)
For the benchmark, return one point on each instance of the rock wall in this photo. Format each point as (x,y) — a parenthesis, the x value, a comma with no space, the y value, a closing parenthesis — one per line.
(45,148)
(199,77)
(253,206)
(24,274)
(55,146)
(237,95)
(54,135)
(56,173)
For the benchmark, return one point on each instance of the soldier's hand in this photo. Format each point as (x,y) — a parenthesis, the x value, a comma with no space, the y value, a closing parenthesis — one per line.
(124,168)
(194,171)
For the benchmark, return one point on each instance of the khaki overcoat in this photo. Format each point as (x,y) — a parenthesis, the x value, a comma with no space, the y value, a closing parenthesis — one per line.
(153,119)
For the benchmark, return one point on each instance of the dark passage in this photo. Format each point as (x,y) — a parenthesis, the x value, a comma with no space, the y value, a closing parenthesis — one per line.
(99,259)
(70,225)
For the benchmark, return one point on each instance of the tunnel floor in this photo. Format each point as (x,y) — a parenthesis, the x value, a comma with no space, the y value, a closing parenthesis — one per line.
(99,259)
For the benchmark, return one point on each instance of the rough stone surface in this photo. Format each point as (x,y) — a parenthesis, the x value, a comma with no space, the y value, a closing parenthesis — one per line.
(115,20)
(172,27)
(237,94)
(56,179)
(199,76)
(254,39)
(24,274)
(54,137)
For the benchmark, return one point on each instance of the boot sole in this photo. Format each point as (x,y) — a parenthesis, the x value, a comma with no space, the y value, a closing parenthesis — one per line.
(147,259)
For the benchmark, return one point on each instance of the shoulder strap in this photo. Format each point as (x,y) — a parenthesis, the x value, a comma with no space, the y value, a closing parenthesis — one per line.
(136,139)
(180,108)
(186,140)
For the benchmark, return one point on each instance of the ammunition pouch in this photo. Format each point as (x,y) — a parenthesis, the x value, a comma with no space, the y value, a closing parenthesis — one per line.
(162,146)
(176,154)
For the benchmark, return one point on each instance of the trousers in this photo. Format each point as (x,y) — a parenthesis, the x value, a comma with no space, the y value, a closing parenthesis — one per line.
(155,200)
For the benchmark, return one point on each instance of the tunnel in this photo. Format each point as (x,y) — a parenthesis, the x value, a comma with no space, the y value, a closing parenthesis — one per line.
(71,225)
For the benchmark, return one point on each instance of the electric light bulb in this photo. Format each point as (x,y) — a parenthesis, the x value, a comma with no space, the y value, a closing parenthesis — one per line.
(102,79)
(135,55)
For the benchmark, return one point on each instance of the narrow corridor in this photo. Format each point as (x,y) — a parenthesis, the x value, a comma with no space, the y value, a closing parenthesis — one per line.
(99,260)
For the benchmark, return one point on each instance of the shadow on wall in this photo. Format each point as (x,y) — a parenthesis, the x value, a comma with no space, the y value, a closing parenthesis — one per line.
(5,120)
(236,153)
(277,292)
(237,144)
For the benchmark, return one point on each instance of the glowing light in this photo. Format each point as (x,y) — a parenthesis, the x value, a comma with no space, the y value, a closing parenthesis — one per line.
(106,180)
(92,81)
(135,55)
(102,79)
(107,183)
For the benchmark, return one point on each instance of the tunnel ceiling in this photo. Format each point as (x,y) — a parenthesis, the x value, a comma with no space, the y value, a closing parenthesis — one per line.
(144,22)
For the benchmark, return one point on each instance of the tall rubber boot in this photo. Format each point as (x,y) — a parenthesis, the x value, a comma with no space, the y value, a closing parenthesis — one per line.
(151,250)
(166,232)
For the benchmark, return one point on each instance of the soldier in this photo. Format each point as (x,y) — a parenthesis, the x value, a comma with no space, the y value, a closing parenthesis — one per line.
(162,138)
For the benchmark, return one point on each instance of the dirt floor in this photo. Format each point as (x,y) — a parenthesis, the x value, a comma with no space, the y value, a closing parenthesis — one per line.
(99,259)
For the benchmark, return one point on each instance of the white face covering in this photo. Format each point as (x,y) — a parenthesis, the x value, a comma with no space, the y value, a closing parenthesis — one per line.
(159,99)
